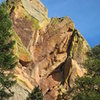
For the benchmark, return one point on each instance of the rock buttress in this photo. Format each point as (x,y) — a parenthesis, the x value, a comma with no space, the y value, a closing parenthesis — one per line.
(53,55)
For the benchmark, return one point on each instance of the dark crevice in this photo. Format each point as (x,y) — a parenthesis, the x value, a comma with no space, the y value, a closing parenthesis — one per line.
(58,69)
(12,9)
(49,90)
(24,63)
(70,42)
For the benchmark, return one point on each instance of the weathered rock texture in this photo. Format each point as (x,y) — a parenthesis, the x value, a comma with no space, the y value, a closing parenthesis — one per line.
(36,9)
(21,92)
(52,56)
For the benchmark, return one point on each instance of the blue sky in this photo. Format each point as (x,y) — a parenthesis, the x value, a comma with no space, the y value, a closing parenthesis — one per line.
(84,13)
(1,1)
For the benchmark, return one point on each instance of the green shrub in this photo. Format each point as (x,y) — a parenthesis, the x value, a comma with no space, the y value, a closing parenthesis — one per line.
(7,58)
(88,86)
(36,94)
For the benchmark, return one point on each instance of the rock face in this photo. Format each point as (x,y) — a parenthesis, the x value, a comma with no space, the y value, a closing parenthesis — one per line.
(50,56)
(36,9)
(20,92)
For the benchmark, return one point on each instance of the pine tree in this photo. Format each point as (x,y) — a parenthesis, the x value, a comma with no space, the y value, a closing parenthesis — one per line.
(36,94)
(88,87)
(7,58)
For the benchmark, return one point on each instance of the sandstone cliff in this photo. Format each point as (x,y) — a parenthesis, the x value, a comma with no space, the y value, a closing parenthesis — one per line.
(51,52)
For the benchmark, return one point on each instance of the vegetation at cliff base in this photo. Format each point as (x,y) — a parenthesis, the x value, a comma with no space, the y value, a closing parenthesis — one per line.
(88,87)
(36,94)
(7,58)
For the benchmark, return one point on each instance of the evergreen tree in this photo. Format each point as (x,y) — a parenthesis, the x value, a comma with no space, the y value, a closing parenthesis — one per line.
(88,87)
(7,58)
(36,94)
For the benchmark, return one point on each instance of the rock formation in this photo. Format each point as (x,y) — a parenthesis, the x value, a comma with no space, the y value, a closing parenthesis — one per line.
(50,52)
(36,9)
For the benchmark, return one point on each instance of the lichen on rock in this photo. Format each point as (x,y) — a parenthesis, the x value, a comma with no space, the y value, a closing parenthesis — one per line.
(19,49)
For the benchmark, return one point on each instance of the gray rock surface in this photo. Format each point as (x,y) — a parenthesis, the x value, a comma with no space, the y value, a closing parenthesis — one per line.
(20,92)
(36,9)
